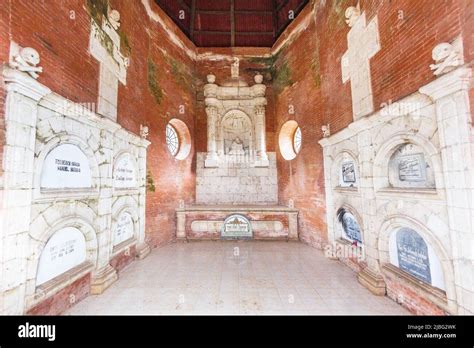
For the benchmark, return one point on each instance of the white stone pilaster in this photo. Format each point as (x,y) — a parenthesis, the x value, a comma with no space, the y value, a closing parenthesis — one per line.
(23,95)
(450,93)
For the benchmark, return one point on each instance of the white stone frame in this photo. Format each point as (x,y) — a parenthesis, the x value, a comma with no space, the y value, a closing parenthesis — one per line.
(36,121)
(124,204)
(439,120)
(81,218)
(42,152)
(220,131)
(338,160)
(118,191)
(386,150)
(394,222)
(338,231)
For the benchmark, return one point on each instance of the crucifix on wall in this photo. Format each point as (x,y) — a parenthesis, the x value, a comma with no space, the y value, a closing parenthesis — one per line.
(363,43)
(104,46)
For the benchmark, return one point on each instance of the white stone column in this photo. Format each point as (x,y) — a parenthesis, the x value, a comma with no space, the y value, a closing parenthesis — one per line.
(143,249)
(450,93)
(260,130)
(104,275)
(211,159)
(23,96)
(328,190)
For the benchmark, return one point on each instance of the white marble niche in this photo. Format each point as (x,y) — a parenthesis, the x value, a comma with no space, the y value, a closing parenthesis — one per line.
(236,169)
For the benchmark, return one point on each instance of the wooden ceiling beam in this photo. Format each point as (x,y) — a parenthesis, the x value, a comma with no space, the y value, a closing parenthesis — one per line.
(216,32)
(220,12)
(232,23)
(193,18)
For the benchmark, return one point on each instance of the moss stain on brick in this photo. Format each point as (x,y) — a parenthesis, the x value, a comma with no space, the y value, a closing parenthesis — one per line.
(153,85)
(98,9)
(337,18)
(150,183)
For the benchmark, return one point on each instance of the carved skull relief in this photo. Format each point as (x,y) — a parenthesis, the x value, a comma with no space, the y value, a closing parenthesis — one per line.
(446,58)
(25,59)
(114,19)
(352,14)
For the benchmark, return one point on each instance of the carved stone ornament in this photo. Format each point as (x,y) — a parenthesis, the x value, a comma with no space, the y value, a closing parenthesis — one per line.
(352,14)
(144,131)
(446,58)
(326,131)
(114,19)
(25,59)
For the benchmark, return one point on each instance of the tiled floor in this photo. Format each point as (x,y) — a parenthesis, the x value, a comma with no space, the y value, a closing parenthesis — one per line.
(237,278)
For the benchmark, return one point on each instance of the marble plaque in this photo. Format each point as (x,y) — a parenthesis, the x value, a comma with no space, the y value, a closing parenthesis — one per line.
(66,249)
(124,172)
(350,226)
(412,167)
(413,254)
(236,226)
(124,228)
(66,166)
(348,173)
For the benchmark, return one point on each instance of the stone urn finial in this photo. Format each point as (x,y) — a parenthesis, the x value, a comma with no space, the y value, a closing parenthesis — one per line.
(211,78)
(258,78)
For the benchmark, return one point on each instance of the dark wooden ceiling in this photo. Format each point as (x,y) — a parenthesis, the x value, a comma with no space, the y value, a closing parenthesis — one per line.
(232,23)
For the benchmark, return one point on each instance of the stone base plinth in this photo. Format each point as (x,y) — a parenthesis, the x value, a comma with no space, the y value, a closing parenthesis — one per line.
(102,279)
(372,281)
(206,221)
(142,251)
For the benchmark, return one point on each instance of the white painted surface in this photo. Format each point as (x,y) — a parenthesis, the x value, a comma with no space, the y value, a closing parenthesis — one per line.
(63,251)
(66,166)
(124,172)
(124,228)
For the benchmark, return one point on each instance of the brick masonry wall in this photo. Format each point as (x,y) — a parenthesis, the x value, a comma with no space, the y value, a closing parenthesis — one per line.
(65,298)
(312,81)
(59,31)
(306,74)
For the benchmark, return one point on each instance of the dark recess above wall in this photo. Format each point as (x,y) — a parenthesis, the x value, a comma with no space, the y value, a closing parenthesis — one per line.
(232,23)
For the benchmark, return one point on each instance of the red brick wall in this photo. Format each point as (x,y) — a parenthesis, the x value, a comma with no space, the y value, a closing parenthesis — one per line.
(316,91)
(64,299)
(60,31)
(307,76)
(411,300)
(123,259)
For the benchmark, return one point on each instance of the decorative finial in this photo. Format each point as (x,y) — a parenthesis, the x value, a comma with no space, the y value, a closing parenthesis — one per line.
(258,78)
(211,78)
(326,131)
(144,131)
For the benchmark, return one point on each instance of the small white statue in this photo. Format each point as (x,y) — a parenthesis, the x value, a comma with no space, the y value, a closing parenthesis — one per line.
(446,58)
(237,147)
(26,59)
(352,15)
(235,68)
(326,131)
(144,131)
(114,19)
